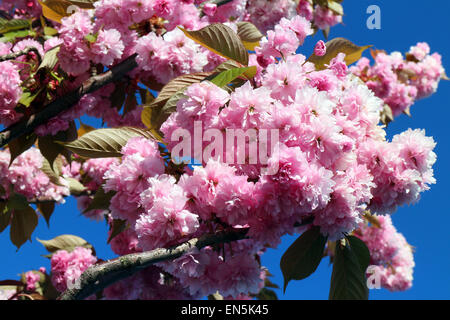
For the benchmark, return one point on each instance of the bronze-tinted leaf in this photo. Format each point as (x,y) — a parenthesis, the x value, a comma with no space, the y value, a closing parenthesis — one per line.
(105,142)
(249,35)
(20,145)
(221,40)
(23,223)
(334,47)
(66,242)
(46,209)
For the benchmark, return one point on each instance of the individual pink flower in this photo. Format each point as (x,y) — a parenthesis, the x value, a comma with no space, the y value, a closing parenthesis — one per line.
(108,47)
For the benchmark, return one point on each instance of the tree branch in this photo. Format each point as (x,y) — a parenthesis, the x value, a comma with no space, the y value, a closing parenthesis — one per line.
(65,102)
(100,276)
(15,55)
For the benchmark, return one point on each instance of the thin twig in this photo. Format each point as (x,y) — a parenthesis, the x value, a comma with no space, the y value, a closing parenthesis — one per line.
(100,276)
(15,55)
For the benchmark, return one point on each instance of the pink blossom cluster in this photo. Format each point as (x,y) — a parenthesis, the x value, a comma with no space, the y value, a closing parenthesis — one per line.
(284,40)
(32,278)
(399,81)
(331,166)
(129,178)
(321,16)
(10,90)
(24,176)
(67,267)
(93,171)
(391,257)
(21,8)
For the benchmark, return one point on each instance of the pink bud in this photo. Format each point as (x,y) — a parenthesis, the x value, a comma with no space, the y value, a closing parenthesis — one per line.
(320,49)
(210,9)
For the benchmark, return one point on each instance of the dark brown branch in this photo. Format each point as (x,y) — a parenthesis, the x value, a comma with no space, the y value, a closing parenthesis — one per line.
(15,55)
(65,102)
(102,275)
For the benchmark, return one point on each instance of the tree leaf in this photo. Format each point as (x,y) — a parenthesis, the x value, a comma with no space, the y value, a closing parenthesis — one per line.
(46,209)
(266,294)
(303,257)
(101,200)
(348,280)
(20,145)
(53,173)
(221,40)
(249,35)
(335,7)
(361,251)
(177,84)
(27,97)
(11,36)
(105,142)
(225,77)
(17,201)
(116,228)
(57,9)
(50,59)
(75,186)
(14,25)
(66,242)
(23,223)
(334,47)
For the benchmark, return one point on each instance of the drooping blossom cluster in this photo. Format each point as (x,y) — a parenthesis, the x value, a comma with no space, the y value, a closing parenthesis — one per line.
(67,267)
(391,257)
(400,81)
(24,176)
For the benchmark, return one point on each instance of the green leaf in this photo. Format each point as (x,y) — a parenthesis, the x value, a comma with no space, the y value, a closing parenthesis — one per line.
(46,209)
(105,142)
(249,35)
(27,97)
(303,257)
(66,242)
(48,31)
(334,47)
(348,280)
(101,200)
(116,228)
(11,36)
(14,25)
(50,59)
(225,77)
(20,145)
(221,40)
(91,38)
(23,224)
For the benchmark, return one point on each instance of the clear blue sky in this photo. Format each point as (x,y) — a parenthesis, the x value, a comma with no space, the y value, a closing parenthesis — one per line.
(425,225)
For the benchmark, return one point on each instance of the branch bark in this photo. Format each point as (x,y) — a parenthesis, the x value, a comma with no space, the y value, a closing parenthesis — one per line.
(15,55)
(63,103)
(100,276)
